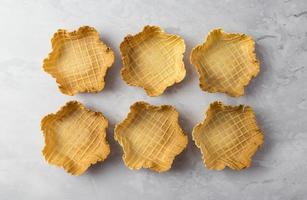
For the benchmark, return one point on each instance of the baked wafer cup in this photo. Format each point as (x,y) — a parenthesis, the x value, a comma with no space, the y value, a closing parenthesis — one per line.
(78,61)
(153,60)
(75,138)
(225,62)
(229,136)
(151,137)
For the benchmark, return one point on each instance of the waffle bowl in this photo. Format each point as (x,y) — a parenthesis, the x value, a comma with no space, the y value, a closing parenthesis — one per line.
(229,136)
(225,62)
(75,138)
(79,60)
(150,137)
(152,60)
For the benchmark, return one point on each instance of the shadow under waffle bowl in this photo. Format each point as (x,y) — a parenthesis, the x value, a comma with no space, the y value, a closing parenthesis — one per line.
(75,138)
(152,60)
(229,136)
(79,60)
(150,137)
(225,62)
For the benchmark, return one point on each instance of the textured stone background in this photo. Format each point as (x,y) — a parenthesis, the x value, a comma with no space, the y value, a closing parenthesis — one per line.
(278,95)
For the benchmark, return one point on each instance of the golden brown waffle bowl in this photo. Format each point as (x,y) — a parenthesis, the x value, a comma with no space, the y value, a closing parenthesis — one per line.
(150,137)
(152,60)
(225,62)
(75,138)
(79,60)
(229,136)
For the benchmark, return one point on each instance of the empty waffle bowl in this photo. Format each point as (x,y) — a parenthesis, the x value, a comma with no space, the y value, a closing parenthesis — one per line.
(152,60)
(79,60)
(229,136)
(75,138)
(150,137)
(225,62)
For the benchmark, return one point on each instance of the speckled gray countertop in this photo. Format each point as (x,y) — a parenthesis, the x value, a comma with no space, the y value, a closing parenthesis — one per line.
(278,96)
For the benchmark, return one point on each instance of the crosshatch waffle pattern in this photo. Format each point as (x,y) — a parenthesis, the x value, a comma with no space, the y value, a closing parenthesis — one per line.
(229,136)
(152,60)
(225,62)
(75,138)
(150,137)
(79,60)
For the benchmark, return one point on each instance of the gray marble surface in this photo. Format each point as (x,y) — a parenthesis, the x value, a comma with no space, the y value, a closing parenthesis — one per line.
(278,95)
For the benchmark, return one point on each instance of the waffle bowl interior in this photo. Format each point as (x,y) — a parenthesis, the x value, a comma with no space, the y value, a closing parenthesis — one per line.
(229,136)
(151,137)
(225,62)
(75,138)
(152,60)
(79,60)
